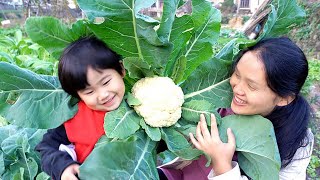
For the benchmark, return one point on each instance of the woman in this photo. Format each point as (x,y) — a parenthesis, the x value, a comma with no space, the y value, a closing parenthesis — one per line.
(266,80)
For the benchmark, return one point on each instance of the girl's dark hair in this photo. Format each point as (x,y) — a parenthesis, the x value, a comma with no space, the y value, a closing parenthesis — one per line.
(286,70)
(78,56)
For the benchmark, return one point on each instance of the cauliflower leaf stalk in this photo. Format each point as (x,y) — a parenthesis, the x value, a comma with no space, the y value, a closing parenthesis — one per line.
(161,101)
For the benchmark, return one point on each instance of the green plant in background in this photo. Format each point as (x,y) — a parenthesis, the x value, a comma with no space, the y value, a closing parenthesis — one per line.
(314,164)
(313,76)
(307,33)
(312,25)
(307,36)
(314,70)
(176,47)
(21,51)
(9,32)
(313,80)
(315,158)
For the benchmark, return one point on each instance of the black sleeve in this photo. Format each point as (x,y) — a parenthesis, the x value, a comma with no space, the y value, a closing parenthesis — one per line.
(53,161)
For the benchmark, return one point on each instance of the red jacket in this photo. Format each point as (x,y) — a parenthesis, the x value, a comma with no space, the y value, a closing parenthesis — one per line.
(85,129)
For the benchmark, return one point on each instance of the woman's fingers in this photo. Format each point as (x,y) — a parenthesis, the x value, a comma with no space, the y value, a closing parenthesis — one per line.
(214,128)
(231,137)
(194,141)
(204,129)
(199,133)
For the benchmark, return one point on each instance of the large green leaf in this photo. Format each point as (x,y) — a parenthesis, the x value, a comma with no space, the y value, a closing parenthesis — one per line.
(152,132)
(185,127)
(137,68)
(166,156)
(132,159)
(258,154)
(79,29)
(127,32)
(178,144)
(12,144)
(180,67)
(168,16)
(25,169)
(113,8)
(206,32)
(209,82)
(34,138)
(193,37)
(32,100)
(191,110)
(42,176)
(182,30)
(122,122)
(232,49)
(29,166)
(52,34)
(287,14)
(17,145)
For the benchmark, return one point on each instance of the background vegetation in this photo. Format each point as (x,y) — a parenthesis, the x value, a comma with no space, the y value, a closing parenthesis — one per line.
(307,36)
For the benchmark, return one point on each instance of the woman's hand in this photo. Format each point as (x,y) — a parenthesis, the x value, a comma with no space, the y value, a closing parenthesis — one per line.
(221,153)
(70,172)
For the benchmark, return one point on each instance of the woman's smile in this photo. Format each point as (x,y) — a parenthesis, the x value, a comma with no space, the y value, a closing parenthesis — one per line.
(238,101)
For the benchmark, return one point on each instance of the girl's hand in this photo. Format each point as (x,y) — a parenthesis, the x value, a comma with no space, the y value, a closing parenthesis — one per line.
(221,153)
(70,172)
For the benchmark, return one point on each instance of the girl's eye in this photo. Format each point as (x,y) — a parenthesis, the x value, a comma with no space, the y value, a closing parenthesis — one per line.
(105,83)
(88,92)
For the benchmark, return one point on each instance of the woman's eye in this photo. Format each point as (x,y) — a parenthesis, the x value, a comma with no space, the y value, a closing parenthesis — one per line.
(251,87)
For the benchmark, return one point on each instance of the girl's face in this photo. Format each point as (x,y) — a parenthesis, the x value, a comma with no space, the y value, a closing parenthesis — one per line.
(251,94)
(105,90)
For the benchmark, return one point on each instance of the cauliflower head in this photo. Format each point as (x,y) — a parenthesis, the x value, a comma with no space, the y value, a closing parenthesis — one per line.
(161,101)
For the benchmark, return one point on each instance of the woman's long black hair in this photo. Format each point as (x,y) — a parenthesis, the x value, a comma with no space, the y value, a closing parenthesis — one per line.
(286,70)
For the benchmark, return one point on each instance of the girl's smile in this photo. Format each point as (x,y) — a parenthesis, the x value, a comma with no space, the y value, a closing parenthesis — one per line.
(105,89)
(109,102)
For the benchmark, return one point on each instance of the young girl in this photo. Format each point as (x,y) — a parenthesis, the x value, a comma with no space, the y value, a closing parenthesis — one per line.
(266,80)
(92,72)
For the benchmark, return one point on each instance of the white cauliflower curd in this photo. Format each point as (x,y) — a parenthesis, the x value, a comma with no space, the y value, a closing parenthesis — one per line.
(161,101)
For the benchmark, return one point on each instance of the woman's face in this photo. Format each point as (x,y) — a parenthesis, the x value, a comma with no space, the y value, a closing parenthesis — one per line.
(251,94)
